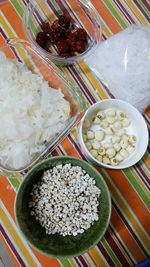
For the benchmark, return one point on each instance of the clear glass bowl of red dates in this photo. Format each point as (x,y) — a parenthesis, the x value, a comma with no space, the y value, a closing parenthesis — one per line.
(64,32)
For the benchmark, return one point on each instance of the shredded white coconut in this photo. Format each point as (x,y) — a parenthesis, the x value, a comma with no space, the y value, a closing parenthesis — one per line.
(31,113)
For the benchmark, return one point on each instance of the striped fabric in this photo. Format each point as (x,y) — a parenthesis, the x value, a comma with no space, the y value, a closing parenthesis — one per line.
(126,241)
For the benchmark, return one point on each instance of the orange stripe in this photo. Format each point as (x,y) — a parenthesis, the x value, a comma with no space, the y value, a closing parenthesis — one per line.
(129,194)
(11,255)
(126,237)
(107,16)
(10,13)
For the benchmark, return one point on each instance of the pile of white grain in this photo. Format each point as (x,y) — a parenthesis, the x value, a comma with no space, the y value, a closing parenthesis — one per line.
(122,63)
(30,113)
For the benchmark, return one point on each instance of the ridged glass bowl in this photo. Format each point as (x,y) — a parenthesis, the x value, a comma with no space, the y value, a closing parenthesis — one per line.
(24,52)
(82,15)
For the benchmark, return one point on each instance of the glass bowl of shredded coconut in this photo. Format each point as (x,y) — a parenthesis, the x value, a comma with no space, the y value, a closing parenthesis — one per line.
(38,105)
(63,207)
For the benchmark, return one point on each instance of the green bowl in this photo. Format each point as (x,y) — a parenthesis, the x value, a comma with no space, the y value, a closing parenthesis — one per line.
(56,245)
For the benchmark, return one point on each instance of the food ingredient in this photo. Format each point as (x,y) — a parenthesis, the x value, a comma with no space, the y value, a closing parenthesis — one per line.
(122,63)
(107,139)
(65,200)
(31,113)
(68,41)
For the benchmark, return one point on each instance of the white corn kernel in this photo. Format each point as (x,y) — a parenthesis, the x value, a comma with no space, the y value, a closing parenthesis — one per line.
(110,152)
(86,123)
(106,160)
(118,125)
(94,153)
(124,143)
(125,122)
(96,144)
(101,115)
(107,145)
(99,158)
(119,157)
(90,134)
(124,153)
(109,131)
(117,146)
(99,135)
(101,151)
(121,115)
(96,120)
(111,112)
(114,161)
(104,124)
(132,139)
(115,139)
(110,119)
(84,136)
(88,145)
(130,149)
(120,132)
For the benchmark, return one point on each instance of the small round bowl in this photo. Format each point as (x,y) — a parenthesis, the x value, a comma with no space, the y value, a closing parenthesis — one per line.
(56,245)
(82,15)
(137,127)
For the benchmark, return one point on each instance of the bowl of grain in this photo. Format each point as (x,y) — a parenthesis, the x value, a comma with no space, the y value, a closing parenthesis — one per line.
(113,134)
(63,207)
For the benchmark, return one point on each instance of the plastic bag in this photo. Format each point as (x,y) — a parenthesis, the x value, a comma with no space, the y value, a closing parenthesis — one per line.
(122,63)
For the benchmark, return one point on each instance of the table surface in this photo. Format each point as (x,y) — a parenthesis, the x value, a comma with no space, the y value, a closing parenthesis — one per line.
(126,241)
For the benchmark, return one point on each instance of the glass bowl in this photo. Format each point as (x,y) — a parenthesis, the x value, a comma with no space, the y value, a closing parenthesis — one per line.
(24,52)
(82,14)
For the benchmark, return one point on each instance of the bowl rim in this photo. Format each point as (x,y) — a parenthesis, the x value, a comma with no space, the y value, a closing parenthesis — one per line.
(89,155)
(109,210)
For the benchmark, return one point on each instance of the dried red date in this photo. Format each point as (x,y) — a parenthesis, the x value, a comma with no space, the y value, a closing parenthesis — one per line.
(62,46)
(60,33)
(81,34)
(64,21)
(41,39)
(45,27)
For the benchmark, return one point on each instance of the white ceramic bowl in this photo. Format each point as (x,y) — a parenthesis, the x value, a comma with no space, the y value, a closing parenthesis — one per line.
(137,127)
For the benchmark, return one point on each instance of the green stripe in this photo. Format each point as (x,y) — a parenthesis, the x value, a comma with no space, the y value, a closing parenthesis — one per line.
(137,187)
(115,14)
(65,262)
(111,253)
(144,7)
(17,7)
(13,179)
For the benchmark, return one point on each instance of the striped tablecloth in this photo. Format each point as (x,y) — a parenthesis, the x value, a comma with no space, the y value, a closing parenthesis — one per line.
(126,241)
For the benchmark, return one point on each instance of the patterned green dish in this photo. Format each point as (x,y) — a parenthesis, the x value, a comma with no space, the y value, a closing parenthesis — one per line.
(56,245)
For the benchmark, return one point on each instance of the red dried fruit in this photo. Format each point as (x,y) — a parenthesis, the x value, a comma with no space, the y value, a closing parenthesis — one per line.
(62,46)
(80,46)
(81,34)
(45,27)
(64,55)
(64,21)
(50,35)
(41,39)
(59,34)
(71,37)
